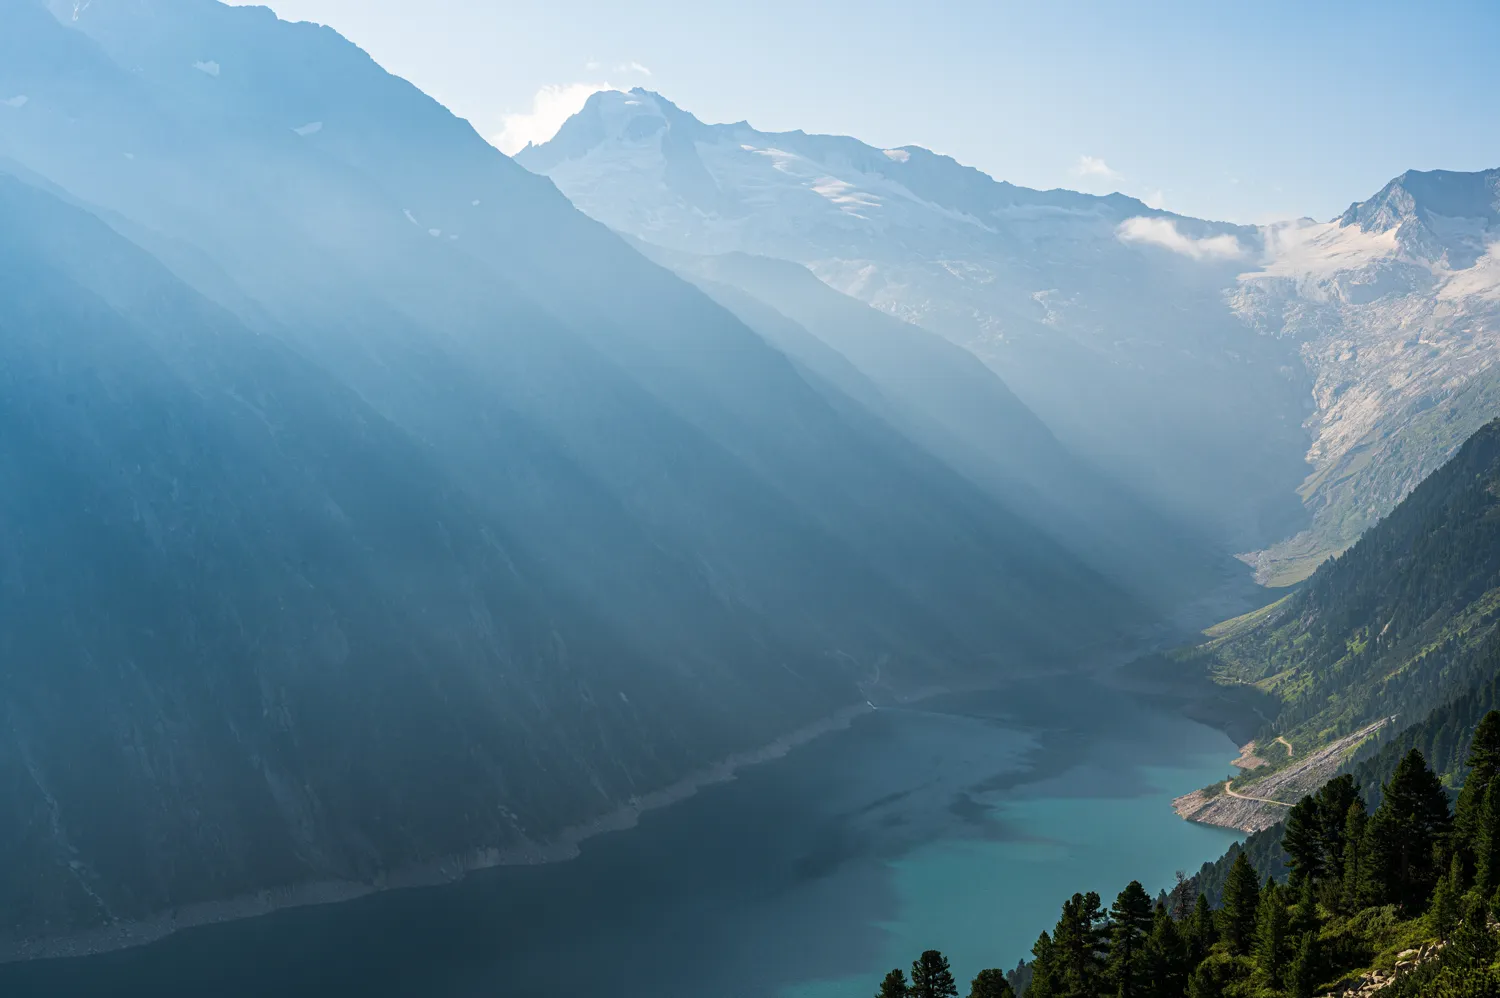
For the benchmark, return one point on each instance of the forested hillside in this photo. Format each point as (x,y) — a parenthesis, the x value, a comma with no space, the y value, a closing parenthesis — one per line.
(1397,625)
(1399,899)
(1443,737)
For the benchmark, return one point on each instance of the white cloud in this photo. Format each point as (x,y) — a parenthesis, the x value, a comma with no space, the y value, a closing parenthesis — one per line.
(311,128)
(1163,232)
(899,155)
(552,105)
(19,101)
(210,67)
(634,67)
(1156,199)
(1093,166)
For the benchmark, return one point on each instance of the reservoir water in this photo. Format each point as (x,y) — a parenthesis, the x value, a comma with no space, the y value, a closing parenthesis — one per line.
(961,824)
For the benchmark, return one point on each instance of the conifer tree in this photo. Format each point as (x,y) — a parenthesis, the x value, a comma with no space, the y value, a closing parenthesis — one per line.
(1270,949)
(894,986)
(1472,944)
(1403,835)
(991,984)
(1334,800)
(1130,925)
(1302,840)
(1238,913)
(1302,976)
(1484,763)
(1446,909)
(1042,969)
(931,977)
(1352,895)
(1078,948)
(1169,956)
(1201,930)
(1304,917)
(1484,846)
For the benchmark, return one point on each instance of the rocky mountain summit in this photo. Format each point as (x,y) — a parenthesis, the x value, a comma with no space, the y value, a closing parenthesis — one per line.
(1282,385)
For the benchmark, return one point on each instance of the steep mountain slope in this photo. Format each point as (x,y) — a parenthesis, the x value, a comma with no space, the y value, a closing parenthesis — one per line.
(371,513)
(1396,308)
(942,397)
(1285,385)
(1402,622)
(1059,292)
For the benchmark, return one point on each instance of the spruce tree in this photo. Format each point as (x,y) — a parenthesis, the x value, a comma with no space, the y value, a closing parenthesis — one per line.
(1302,840)
(1472,945)
(1304,917)
(931,977)
(1403,837)
(1352,894)
(1446,909)
(1302,976)
(1043,973)
(1201,930)
(1485,843)
(1238,913)
(1078,948)
(894,986)
(1334,800)
(1270,949)
(991,984)
(1130,925)
(1169,956)
(1484,763)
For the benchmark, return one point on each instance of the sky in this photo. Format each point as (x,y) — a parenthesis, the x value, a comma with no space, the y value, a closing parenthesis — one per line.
(1240,112)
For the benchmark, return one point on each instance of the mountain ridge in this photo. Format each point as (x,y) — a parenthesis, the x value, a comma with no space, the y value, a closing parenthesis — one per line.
(1262,381)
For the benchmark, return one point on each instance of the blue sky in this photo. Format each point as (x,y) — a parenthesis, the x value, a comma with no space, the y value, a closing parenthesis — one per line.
(1245,112)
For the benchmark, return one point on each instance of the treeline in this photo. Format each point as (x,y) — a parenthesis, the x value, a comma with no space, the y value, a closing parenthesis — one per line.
(1396,624)
(1443,737)
(931,977)
(1361,887)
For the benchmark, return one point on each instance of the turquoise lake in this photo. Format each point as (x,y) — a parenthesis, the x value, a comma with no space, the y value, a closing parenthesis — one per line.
(959,824)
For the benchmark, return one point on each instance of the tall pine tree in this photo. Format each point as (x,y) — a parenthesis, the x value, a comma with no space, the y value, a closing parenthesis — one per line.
(1402,838)
(931,977)
(1241,906)
(894,986)
(1270,951)
(1352,896)
(1484,763)
(1130,925)
(991,984)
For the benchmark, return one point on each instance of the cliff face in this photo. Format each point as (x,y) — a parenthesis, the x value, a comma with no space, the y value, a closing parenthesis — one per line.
(365,506)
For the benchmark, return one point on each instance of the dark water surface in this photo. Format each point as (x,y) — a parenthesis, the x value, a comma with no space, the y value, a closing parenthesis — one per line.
(960,824)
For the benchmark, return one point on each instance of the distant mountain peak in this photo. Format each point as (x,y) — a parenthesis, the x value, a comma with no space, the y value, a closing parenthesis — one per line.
(1442,216)
(1415,193)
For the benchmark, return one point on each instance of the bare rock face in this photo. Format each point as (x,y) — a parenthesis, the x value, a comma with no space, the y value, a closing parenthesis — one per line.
(1284,385)
(1395,311)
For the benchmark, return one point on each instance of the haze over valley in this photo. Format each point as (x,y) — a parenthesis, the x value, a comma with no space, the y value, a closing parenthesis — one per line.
(454,574)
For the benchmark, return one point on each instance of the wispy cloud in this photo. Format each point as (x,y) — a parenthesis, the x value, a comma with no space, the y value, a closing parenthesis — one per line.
(634,67)
(1093,166)
(1163,232)
(1156,199)
(550,107)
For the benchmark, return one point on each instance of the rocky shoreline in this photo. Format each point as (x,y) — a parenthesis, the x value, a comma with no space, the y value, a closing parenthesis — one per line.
(1262,804)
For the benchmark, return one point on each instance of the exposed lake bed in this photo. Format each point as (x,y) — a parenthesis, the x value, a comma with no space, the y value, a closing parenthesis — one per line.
(959,823)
